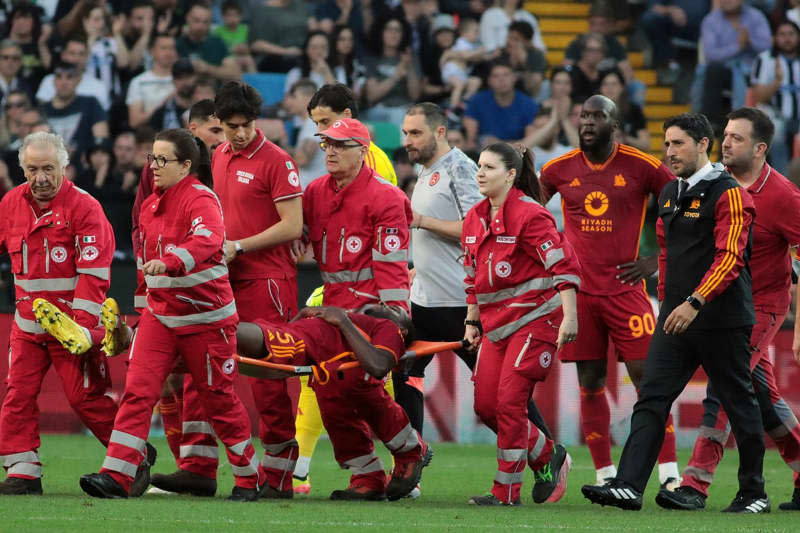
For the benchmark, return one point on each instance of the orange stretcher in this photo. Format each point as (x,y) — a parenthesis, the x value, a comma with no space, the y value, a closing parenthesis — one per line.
(259,368)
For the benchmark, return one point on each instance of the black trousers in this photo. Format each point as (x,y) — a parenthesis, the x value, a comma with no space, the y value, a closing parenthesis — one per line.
(671,361)
(439,324)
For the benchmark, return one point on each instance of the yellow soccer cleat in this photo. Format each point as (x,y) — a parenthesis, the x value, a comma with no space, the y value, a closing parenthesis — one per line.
(54,321)
(117,336)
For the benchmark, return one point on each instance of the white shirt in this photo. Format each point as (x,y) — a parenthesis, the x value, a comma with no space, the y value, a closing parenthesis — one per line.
(89,86)
(149,88)
(494,28)
(316,167)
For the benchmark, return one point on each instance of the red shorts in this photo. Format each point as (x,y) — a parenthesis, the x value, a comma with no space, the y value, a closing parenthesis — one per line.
(765,329)
(627,319)
(270,299)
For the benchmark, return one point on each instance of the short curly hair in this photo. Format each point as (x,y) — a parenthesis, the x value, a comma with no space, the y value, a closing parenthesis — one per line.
(237,98)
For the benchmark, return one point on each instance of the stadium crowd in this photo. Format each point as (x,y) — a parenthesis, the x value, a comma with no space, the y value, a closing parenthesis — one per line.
(467,87)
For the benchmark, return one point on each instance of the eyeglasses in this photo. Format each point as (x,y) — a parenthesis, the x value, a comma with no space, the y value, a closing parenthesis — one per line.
(160,160)
(336,146)
(6,57)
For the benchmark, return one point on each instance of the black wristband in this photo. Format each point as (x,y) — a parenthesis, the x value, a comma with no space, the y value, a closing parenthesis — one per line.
(476,323)
(694,302)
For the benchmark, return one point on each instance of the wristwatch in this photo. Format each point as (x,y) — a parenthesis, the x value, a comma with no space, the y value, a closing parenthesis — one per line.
(694,302)
(238,248)
(475,323)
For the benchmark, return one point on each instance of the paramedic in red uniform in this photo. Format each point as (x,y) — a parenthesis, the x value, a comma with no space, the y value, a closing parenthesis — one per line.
(353,402)
(61,246)
(357,224)
(522,276)
(190,314)
(605,187)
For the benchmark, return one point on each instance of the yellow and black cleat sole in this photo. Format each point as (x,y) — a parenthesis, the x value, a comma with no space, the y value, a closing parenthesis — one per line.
(110,319)
(58,324)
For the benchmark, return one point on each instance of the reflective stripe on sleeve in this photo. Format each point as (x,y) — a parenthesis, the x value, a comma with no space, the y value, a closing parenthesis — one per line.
(185,257)
(102,273)
(392,257)
(181,282)
(507,329)
(93,308)
(46,284)
(347,276)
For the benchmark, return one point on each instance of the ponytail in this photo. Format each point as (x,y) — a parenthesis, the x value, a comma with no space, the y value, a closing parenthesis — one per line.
(521,160)
(202,167)
(190,148)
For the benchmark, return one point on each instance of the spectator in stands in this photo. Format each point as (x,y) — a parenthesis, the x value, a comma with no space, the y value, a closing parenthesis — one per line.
(585,72)
(457,63)
(207,52)
(174,111)
(307,154)
(106,54)
(732,35)
(666,20)
(144,144)
(632,124)
(24,27)
(29,120)
(329,14)
(404,170)
(125,161)
(11,78)
(76,52)
(149,90)
(234,33)
(499,113)
(15,104)
(345,64)
(793,12)
(544,139)
(277,31)
(560,99)
(79,120)
(496,20)
(314,63)
(393,74)
(420,24)
(137,32)
(528,62)
(168,17)
(205,88)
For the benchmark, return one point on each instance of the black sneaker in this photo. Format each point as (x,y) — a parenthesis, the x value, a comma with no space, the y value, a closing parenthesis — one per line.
(793,505)
(102,485)
(185,482)
(616,493)
(740,504)
(490,499)
(241,494)
(551,479)
(17,486)
(271,493)
(682,499)
(142,479)
(358,493)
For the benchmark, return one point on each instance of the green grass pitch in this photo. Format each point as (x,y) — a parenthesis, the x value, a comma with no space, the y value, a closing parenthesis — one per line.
(456,472)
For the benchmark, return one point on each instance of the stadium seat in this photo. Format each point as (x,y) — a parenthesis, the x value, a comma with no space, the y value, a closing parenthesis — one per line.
(269,84)
(387,136)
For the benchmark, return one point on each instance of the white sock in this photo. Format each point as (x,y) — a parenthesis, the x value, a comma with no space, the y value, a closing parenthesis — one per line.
(302,466)
(668,470)
(606,472)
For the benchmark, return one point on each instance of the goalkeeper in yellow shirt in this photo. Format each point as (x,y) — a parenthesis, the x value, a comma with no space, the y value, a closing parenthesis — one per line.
(330,103)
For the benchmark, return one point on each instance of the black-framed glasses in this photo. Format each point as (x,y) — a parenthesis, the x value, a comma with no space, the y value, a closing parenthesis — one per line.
(160,160)
(336,146)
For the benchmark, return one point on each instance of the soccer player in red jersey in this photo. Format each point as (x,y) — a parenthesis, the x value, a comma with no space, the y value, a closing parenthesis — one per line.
(776,230)
(604,190)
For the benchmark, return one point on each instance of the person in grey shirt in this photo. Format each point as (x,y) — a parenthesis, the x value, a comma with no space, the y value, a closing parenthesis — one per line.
(446,189)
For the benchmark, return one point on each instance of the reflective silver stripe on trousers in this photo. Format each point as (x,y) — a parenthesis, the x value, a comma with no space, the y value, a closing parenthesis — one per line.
(25,469)
(278,463)
(536,451)
(250,470)
(140,301)
(391,257)
(198,426)
(699,473)
(405,440)
(553,256)
(102,273)
(364,464)
(187,259)
(393,295)
(719,436)
(93,308)
(345,276)
(126,439)
(517,290)
(118,465)
(508,478)
(197,450)
(46,284)
(567,278)
(182,282)
(198,318)
(511,455)
(278,447)
(504,331)
(22,457)
(28,326)
(237,449)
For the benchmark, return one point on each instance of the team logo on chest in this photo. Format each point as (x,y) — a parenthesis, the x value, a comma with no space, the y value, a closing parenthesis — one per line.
(354,244)
(59,254)
(391,242)
(503,269)
(228,366)
(545,359)
(434,179)
(595,203)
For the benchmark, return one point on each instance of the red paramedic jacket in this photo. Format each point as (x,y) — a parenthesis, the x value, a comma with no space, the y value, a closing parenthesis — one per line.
(182,226)
(61,253)
(515,266)
(360,238)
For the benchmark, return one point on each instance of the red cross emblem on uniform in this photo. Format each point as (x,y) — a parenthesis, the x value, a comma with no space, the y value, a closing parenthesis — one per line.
(503,269)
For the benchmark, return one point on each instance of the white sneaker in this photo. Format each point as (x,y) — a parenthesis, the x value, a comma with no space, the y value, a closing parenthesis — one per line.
(415,493)
(156,490)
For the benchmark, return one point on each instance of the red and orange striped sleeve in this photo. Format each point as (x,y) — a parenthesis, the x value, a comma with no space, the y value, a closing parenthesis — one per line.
(734,214)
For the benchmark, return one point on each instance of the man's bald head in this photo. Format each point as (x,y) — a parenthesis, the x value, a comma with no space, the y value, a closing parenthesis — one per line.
(598,120)
(603,103)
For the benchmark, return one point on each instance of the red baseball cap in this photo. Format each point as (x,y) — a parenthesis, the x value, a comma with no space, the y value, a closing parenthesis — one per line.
(347,129)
